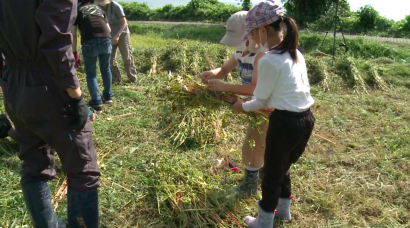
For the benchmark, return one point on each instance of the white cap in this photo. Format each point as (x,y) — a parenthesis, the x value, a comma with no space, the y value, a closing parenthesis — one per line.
(235,28)
(102,2)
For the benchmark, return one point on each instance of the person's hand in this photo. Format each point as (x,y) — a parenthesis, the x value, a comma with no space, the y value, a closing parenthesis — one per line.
(267,110)
(237,106)
(216,85)
(115,40)
(92,118)
(77,59)
(91,114)
(205,76)
(80,113)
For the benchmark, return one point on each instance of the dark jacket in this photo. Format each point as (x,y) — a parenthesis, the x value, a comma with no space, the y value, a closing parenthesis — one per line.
(36,33)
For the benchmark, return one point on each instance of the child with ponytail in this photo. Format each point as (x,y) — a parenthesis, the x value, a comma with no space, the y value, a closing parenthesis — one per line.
(282,85)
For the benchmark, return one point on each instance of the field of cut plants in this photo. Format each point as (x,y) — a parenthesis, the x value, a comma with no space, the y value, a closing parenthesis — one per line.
(158,142)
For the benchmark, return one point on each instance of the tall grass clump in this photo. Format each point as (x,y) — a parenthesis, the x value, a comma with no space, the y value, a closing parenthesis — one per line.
(345,72)
(182,56)
(359,47)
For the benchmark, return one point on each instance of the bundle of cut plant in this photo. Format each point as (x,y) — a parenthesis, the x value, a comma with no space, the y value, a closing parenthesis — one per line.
(187,87)
(192,114)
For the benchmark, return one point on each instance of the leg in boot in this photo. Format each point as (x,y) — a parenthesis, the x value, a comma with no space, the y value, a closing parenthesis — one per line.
(250,182)
(253,158)
(38,202)
(82,208)
(283,208)
(264,219)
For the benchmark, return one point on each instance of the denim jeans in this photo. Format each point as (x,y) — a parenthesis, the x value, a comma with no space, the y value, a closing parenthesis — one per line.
(92,49)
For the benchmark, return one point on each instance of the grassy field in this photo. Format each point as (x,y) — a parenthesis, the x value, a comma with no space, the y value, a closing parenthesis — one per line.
(148,181)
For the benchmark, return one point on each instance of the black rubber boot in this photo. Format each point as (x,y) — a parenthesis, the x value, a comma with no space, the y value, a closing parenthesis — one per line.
(249,184)
(82,208)
(37,197)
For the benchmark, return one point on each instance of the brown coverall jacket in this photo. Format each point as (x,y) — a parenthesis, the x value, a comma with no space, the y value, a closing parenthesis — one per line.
(37,68)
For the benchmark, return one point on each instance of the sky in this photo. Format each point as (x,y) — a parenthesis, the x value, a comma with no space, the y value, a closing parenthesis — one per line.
(392,9)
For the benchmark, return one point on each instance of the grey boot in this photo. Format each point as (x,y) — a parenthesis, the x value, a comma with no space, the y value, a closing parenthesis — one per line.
(283,209)
(38,202)
(264,219)
(249,184)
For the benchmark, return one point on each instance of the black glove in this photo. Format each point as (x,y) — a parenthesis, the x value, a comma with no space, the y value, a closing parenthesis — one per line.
(5,126)
(80,113)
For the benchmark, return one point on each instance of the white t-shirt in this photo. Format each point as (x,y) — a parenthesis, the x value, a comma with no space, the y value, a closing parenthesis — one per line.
(282,84)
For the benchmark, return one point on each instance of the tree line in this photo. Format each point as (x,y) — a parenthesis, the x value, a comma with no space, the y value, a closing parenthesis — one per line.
(316,15)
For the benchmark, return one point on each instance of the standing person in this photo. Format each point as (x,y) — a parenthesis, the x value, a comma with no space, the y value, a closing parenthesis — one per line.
(121,39)
(43,99)
(95,43)
(252,156)
(282,85)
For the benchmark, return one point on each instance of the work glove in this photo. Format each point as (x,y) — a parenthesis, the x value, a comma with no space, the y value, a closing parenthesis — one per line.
(77,59)
(5,126)
(80,113)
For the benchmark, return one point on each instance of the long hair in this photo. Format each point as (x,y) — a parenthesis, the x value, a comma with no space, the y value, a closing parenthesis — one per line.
(290,42)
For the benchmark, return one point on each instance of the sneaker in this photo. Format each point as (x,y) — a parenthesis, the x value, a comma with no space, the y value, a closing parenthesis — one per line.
(107,100)
(97,108)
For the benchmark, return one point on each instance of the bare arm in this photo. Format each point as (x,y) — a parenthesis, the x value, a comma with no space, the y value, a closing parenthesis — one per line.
(247,89)
(73,32)
(109,28)
(123,22)
(227,68)
(220,72)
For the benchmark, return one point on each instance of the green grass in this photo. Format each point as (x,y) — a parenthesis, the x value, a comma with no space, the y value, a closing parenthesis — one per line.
(201,32)
(362,181)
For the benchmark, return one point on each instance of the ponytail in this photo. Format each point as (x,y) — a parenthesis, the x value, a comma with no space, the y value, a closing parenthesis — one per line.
(290,42)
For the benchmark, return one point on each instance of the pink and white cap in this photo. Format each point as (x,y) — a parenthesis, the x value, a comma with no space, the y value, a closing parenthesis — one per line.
(262,14)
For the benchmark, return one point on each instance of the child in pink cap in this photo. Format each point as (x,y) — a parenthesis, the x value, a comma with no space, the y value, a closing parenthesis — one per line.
(282,85)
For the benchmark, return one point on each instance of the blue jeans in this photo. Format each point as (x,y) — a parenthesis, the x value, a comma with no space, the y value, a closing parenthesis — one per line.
(92,49)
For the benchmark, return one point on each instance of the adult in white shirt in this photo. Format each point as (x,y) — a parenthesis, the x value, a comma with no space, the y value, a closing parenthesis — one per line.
(282,85)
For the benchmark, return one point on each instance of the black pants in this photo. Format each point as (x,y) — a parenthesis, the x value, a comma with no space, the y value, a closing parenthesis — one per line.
(42,123)
(286,139)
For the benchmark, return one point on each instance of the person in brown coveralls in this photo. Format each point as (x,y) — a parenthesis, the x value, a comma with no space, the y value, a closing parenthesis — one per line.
(43,99)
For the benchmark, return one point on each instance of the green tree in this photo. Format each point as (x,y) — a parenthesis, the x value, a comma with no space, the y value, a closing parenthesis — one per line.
(246,4)
(308,11)
(368,17)
(371,20)
(405,25)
